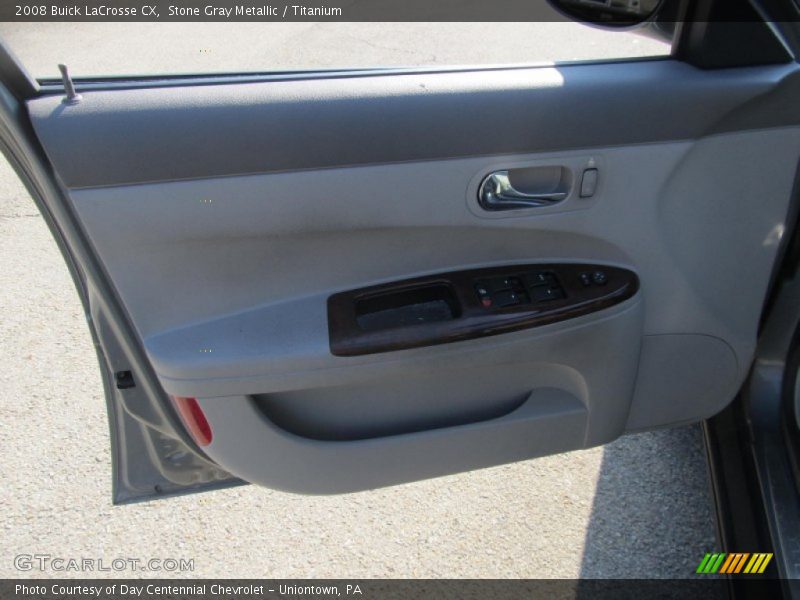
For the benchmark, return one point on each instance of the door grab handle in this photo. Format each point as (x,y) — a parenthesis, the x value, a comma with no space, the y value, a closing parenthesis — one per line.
(497,193)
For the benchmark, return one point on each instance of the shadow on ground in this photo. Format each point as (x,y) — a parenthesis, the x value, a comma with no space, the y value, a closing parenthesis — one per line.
(652,513)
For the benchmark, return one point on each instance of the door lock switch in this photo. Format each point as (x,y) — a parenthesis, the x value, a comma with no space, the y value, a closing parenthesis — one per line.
(588,183)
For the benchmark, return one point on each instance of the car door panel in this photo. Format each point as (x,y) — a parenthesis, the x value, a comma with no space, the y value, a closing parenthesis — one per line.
(226,217)
(202,131)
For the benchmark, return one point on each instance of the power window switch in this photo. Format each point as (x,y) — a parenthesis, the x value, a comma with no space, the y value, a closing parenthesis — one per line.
(544,293)
(511,282)
(516,284)
(540,278)
(507,298)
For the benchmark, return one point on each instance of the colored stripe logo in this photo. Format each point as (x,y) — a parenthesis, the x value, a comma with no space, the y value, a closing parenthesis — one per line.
(734,563)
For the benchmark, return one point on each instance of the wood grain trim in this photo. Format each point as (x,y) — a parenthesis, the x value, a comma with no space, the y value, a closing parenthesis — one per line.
(473,320)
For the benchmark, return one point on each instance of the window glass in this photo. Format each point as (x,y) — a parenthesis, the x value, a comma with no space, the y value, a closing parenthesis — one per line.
(119,49)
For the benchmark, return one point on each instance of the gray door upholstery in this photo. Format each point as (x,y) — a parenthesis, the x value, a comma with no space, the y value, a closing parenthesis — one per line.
(227,215)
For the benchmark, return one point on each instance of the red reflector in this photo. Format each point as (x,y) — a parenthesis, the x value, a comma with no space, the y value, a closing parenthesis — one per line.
(194,419)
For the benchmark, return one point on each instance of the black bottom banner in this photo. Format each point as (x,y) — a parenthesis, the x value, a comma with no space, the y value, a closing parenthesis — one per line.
(253,589)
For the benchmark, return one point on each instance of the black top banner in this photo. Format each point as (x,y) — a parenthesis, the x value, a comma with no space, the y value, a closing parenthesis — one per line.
(348,10)
(260,10)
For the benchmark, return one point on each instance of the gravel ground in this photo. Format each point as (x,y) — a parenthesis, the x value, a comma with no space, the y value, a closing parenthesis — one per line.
(637,508)
(128,48)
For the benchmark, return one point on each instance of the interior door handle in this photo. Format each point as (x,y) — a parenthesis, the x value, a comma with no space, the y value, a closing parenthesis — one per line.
(497,193)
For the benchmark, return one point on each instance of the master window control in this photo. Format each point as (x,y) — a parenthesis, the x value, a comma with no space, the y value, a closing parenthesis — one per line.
(471,304)
(523,288)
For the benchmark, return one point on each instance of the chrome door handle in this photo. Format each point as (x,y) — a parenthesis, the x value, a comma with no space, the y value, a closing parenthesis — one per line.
(497,193)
